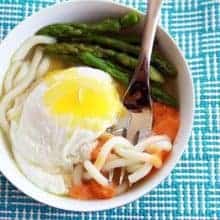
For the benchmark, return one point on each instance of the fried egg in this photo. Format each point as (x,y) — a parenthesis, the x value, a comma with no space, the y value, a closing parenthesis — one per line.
(83,97)
(60,122)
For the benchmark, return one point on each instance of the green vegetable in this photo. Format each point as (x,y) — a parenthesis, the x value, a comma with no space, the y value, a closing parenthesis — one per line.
(162,96)
(112,43)
(130,19)
(121,58)
(65,48)
(106,66)
(66,31)
(163,65)
(132,39)
(157,60)
(111,24)
(89,33)
(156,76)
(90,59)
(61,31)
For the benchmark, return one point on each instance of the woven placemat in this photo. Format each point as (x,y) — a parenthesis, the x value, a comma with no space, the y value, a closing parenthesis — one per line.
(192,191)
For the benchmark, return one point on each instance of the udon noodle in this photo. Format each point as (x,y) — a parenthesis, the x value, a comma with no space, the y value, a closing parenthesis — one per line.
(22,72)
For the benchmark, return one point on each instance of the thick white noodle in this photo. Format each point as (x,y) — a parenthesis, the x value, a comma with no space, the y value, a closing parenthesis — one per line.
(19,101)
(20,55)
(43,67)
(77,174)
(122,175)
(13,69)
(163,145)
(95,174)
(110,175)
(14,112)
(28,44)
(152,140)
(9,98)
(133,167)
(112,157)
(140,173)
(117,163)
(22,73)
(163,142)
(108,146)
(139,156)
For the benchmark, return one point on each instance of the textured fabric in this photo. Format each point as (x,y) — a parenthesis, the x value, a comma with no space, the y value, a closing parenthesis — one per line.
(192,191)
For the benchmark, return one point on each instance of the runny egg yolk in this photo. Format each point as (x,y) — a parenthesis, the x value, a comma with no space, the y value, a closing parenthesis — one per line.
(86,100)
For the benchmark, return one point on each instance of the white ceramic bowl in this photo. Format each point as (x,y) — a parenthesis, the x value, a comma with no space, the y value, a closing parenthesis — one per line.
(89,10)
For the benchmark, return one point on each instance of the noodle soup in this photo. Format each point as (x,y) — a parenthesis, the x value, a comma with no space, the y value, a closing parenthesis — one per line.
(61,95)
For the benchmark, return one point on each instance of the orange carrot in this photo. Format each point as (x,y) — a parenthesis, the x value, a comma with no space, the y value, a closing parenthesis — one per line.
(95,152)
(166,120)
(101,141)
(91,190)
(81,192)
(101,192)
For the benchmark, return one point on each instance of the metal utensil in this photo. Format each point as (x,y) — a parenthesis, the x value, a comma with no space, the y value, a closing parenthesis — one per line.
(137,98)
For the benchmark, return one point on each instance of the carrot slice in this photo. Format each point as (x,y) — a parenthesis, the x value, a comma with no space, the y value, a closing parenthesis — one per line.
(101,192)
(82,191)
(101,141)
(166,120)
(92,190)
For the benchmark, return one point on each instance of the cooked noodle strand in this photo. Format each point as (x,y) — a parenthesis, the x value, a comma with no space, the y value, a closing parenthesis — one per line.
(28,44)
(140,173)
(9,98)
(107,147)
(22,73)
(95,174)
(13,69)
(43,67)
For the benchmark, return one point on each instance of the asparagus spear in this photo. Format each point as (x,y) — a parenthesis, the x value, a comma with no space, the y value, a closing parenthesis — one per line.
(90,59)
(65,48)
(163,65)
(157,60)
(156,76)
(130,19)
(67,31)
(121,58)
(106,66)
(161,96)
(111,24)
(132,39)
(113,43)
(107,25)
(61,31)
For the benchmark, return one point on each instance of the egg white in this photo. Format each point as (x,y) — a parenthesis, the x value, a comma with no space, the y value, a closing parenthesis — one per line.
(46,149)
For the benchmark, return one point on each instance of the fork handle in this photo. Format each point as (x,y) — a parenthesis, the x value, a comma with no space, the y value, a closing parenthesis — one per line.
(150,27)
(137,96)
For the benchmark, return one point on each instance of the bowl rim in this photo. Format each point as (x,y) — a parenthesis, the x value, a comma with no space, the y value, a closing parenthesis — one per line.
(117,203)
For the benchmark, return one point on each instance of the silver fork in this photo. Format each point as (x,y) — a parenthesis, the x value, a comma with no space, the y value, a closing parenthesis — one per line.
(137,98)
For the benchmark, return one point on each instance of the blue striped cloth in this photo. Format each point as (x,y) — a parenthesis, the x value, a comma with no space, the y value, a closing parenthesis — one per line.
(192,191)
